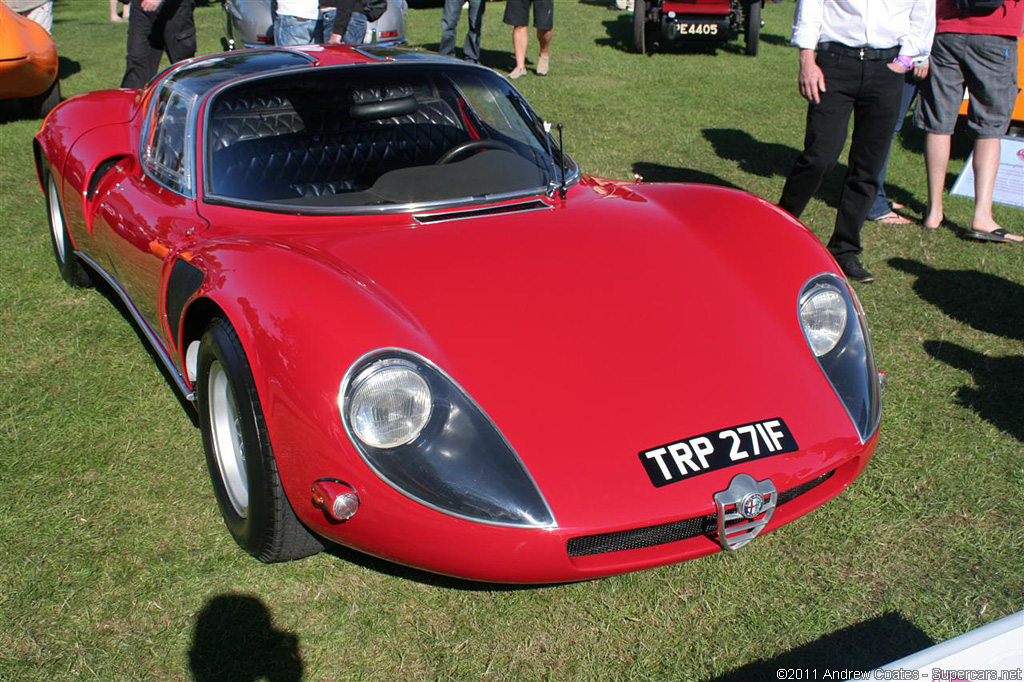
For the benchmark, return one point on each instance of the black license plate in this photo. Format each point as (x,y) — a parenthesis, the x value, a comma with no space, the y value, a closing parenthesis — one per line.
(714,450)
(700,29)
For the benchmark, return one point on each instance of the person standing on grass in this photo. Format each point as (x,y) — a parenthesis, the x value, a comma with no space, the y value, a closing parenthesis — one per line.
(517,15)
(334,18)
(39,11)
(853,57)
(976,48)
(882,210)
(295,22)
(156,26)
(450,25)
(123,16)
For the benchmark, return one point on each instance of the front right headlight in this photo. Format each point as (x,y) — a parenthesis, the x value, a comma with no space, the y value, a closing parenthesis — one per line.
(423,434)
(834,326)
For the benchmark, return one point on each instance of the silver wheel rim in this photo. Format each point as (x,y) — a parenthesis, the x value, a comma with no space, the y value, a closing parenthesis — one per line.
(226,432)
(56,221)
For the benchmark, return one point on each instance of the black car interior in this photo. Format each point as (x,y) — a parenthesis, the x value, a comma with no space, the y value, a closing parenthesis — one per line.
(361,137)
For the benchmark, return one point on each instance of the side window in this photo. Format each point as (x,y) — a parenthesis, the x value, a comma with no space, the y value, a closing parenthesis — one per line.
(168,148)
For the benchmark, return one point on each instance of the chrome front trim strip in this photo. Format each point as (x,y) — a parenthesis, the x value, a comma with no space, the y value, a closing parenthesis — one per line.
(151,335)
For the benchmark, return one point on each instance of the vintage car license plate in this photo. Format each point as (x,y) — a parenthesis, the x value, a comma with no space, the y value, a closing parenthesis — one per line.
(696,455)
(697,28)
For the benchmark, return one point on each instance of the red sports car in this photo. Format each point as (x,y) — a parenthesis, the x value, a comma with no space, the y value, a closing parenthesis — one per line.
(410,325)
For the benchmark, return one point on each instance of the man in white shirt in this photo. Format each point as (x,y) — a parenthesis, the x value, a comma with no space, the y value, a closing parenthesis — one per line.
(853,54)
(295,22)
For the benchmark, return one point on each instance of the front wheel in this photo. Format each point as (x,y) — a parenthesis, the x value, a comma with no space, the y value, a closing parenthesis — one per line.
(640,26)
(69,265)
(242,467)
(752,27)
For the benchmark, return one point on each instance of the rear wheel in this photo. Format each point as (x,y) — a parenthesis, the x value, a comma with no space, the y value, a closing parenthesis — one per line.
(640,26)
(71,268)
(752,27)
(242,467)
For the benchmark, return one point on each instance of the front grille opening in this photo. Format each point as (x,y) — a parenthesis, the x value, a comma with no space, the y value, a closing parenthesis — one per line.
(638,538)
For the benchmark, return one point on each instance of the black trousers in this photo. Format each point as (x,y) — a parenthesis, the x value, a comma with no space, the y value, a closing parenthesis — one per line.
(170,29)
(871,92)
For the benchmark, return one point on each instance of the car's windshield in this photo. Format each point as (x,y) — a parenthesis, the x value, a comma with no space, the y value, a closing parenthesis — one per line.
(375,136)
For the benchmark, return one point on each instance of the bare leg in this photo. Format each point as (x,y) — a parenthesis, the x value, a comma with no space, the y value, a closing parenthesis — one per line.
(113,11)
(986,166)
(936,159)
(544,38)
(519,40)
(126,11)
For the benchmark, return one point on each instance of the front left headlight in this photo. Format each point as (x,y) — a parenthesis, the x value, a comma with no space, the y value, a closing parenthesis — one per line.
(836,331)
(421,433)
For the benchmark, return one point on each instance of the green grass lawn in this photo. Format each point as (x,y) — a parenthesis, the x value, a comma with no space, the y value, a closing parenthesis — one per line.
(114,563)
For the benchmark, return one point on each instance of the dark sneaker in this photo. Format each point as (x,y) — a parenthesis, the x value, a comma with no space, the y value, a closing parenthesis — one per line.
(855,272)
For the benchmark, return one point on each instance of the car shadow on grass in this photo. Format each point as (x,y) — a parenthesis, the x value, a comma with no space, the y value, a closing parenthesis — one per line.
(998,392)
(107,291)
(860,647)
(235,639)
(656,172)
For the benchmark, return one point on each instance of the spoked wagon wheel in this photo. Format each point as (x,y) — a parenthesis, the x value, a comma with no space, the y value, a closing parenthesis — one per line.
(71,268)
(752,26)
(238,453)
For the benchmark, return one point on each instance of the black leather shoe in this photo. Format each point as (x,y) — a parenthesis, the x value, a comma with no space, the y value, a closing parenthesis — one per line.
(855,271)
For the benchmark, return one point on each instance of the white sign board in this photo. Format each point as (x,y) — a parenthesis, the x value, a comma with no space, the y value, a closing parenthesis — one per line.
(1009,187)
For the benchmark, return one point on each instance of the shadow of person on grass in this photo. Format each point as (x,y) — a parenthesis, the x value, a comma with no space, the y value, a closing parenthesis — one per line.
(656,172)
(1000,392)
(235,641)
(988,303)
(863,646)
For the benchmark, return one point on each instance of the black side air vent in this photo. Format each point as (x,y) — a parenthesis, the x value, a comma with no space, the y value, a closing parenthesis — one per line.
(100,171)
(536,205)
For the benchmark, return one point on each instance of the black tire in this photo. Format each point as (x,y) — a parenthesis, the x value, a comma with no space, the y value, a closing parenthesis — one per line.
(40,105)
(69,265)
(640,26)
(752,27)
(265,526)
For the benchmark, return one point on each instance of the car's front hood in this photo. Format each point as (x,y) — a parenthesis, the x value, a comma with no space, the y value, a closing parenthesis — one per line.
(612,324)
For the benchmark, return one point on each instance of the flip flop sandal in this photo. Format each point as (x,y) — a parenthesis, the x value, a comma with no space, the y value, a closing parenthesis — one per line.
(892,218)
(999,235)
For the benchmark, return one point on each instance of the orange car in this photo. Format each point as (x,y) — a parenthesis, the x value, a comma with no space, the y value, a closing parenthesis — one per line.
(1017,117)
(28,64)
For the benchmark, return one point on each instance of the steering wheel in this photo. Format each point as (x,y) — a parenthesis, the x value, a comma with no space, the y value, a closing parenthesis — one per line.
(472,145)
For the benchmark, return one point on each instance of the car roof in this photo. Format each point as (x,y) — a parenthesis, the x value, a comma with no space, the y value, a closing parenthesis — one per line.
(202,75)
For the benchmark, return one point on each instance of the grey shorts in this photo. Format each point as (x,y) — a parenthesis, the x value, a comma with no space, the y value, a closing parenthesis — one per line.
(987,66)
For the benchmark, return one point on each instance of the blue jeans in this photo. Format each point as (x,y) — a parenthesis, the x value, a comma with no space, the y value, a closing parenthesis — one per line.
(450,22)
(356,29)
(289,30)
(325,25)
(880,206)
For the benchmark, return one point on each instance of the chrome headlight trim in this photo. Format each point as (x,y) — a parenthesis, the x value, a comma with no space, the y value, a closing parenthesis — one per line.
(851,353)
(361,364)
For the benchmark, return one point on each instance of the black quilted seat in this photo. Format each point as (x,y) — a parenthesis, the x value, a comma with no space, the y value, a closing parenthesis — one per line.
(303,141)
